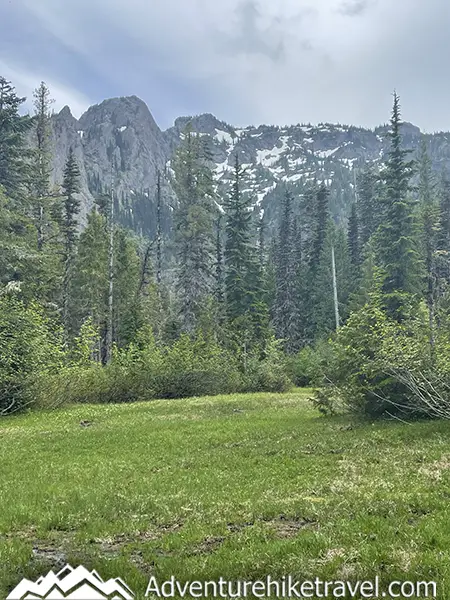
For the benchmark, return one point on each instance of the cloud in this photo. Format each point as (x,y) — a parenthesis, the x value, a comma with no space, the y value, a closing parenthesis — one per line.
(247,61)
(355,8)
(26,82)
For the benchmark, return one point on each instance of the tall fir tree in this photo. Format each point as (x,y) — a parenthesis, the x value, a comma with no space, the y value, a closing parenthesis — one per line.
(286,298)
(320,227)
(159,228)
(369,206)
(238,247)
(14,154)
(42,162)
(194,228)
(429,218)
(353,237)
(71,187)
(443,233)
(397,248)
(89,283)
(220,274)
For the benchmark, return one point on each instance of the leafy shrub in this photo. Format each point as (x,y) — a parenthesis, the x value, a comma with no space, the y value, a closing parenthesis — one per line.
(28,349)
(368,352)
(191,366)
(309,366)
(267,374)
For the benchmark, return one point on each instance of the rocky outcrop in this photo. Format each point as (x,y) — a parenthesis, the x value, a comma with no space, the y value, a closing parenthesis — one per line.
(119,139)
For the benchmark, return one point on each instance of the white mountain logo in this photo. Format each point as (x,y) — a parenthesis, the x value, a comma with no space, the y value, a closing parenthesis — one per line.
(76,584)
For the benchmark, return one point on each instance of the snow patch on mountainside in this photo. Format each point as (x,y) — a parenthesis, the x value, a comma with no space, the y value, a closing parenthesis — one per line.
(223,136)
(326,153)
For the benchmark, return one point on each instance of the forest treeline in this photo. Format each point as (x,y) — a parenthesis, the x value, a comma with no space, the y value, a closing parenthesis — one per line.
(99,314)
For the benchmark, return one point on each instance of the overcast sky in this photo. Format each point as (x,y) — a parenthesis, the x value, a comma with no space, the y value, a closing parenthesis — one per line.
(246,61)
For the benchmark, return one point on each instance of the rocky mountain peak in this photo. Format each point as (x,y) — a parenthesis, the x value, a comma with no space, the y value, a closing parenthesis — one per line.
(204,123)
(121,132)
(120,112)
(65,115)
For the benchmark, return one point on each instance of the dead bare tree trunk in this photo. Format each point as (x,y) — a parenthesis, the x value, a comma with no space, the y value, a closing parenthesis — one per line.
(109,327)
(335,293)
(158,230)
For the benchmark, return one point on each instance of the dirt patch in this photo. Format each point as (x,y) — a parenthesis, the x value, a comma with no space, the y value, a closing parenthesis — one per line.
(114,544)
(286,527)
(50,555)
(283,526)
(208,545)
(235,527)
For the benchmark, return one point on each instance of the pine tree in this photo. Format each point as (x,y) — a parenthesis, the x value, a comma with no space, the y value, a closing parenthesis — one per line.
(320,226)
(443,233)
(194,228)
(126,309)
(396,245)
(14,155)
(158,229)
(238,247)
(220,292)
(429,226)
(42,161)
(353,237)
(71,187)
(285,300)
(323,312)
(369,207)
(262,232)
(89,284)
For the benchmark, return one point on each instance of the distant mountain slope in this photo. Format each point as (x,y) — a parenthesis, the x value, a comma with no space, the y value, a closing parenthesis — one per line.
(123,130)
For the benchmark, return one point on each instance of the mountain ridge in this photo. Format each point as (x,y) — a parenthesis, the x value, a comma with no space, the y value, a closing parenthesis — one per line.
(122,131)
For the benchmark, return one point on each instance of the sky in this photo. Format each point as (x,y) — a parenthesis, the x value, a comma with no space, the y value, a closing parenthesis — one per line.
(246,61)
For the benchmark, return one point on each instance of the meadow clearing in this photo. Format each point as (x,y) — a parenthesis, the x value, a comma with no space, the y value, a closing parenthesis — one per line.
(237,486)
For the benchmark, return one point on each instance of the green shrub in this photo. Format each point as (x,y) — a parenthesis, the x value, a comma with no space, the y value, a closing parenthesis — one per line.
(29,349)
(369,353)
(308,368)
(269,373)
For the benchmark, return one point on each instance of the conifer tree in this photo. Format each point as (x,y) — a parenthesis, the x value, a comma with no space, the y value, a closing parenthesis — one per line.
(126,308)
(194,228)
(262,231)
(42,161)
(158,229)
(396,245)
(369,207)
(220,292)
(238,247)
(443,233)
(90,278)
(323,313)
(429,226)
(14,155)
(285,299)
(321,218)
(353,237)
(71,187)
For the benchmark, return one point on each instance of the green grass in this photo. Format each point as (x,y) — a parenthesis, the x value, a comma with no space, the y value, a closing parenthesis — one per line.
(235,486)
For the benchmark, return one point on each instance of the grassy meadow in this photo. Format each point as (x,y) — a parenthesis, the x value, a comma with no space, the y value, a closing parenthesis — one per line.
(238,486)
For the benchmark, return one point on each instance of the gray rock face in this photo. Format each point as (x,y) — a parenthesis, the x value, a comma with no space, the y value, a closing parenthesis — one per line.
(122,132)
(116,141)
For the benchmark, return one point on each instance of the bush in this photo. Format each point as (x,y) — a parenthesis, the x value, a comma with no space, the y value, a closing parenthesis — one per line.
(309,366)
(267,374)
(369,352)
(29,349)
(191,366)
(187,368)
